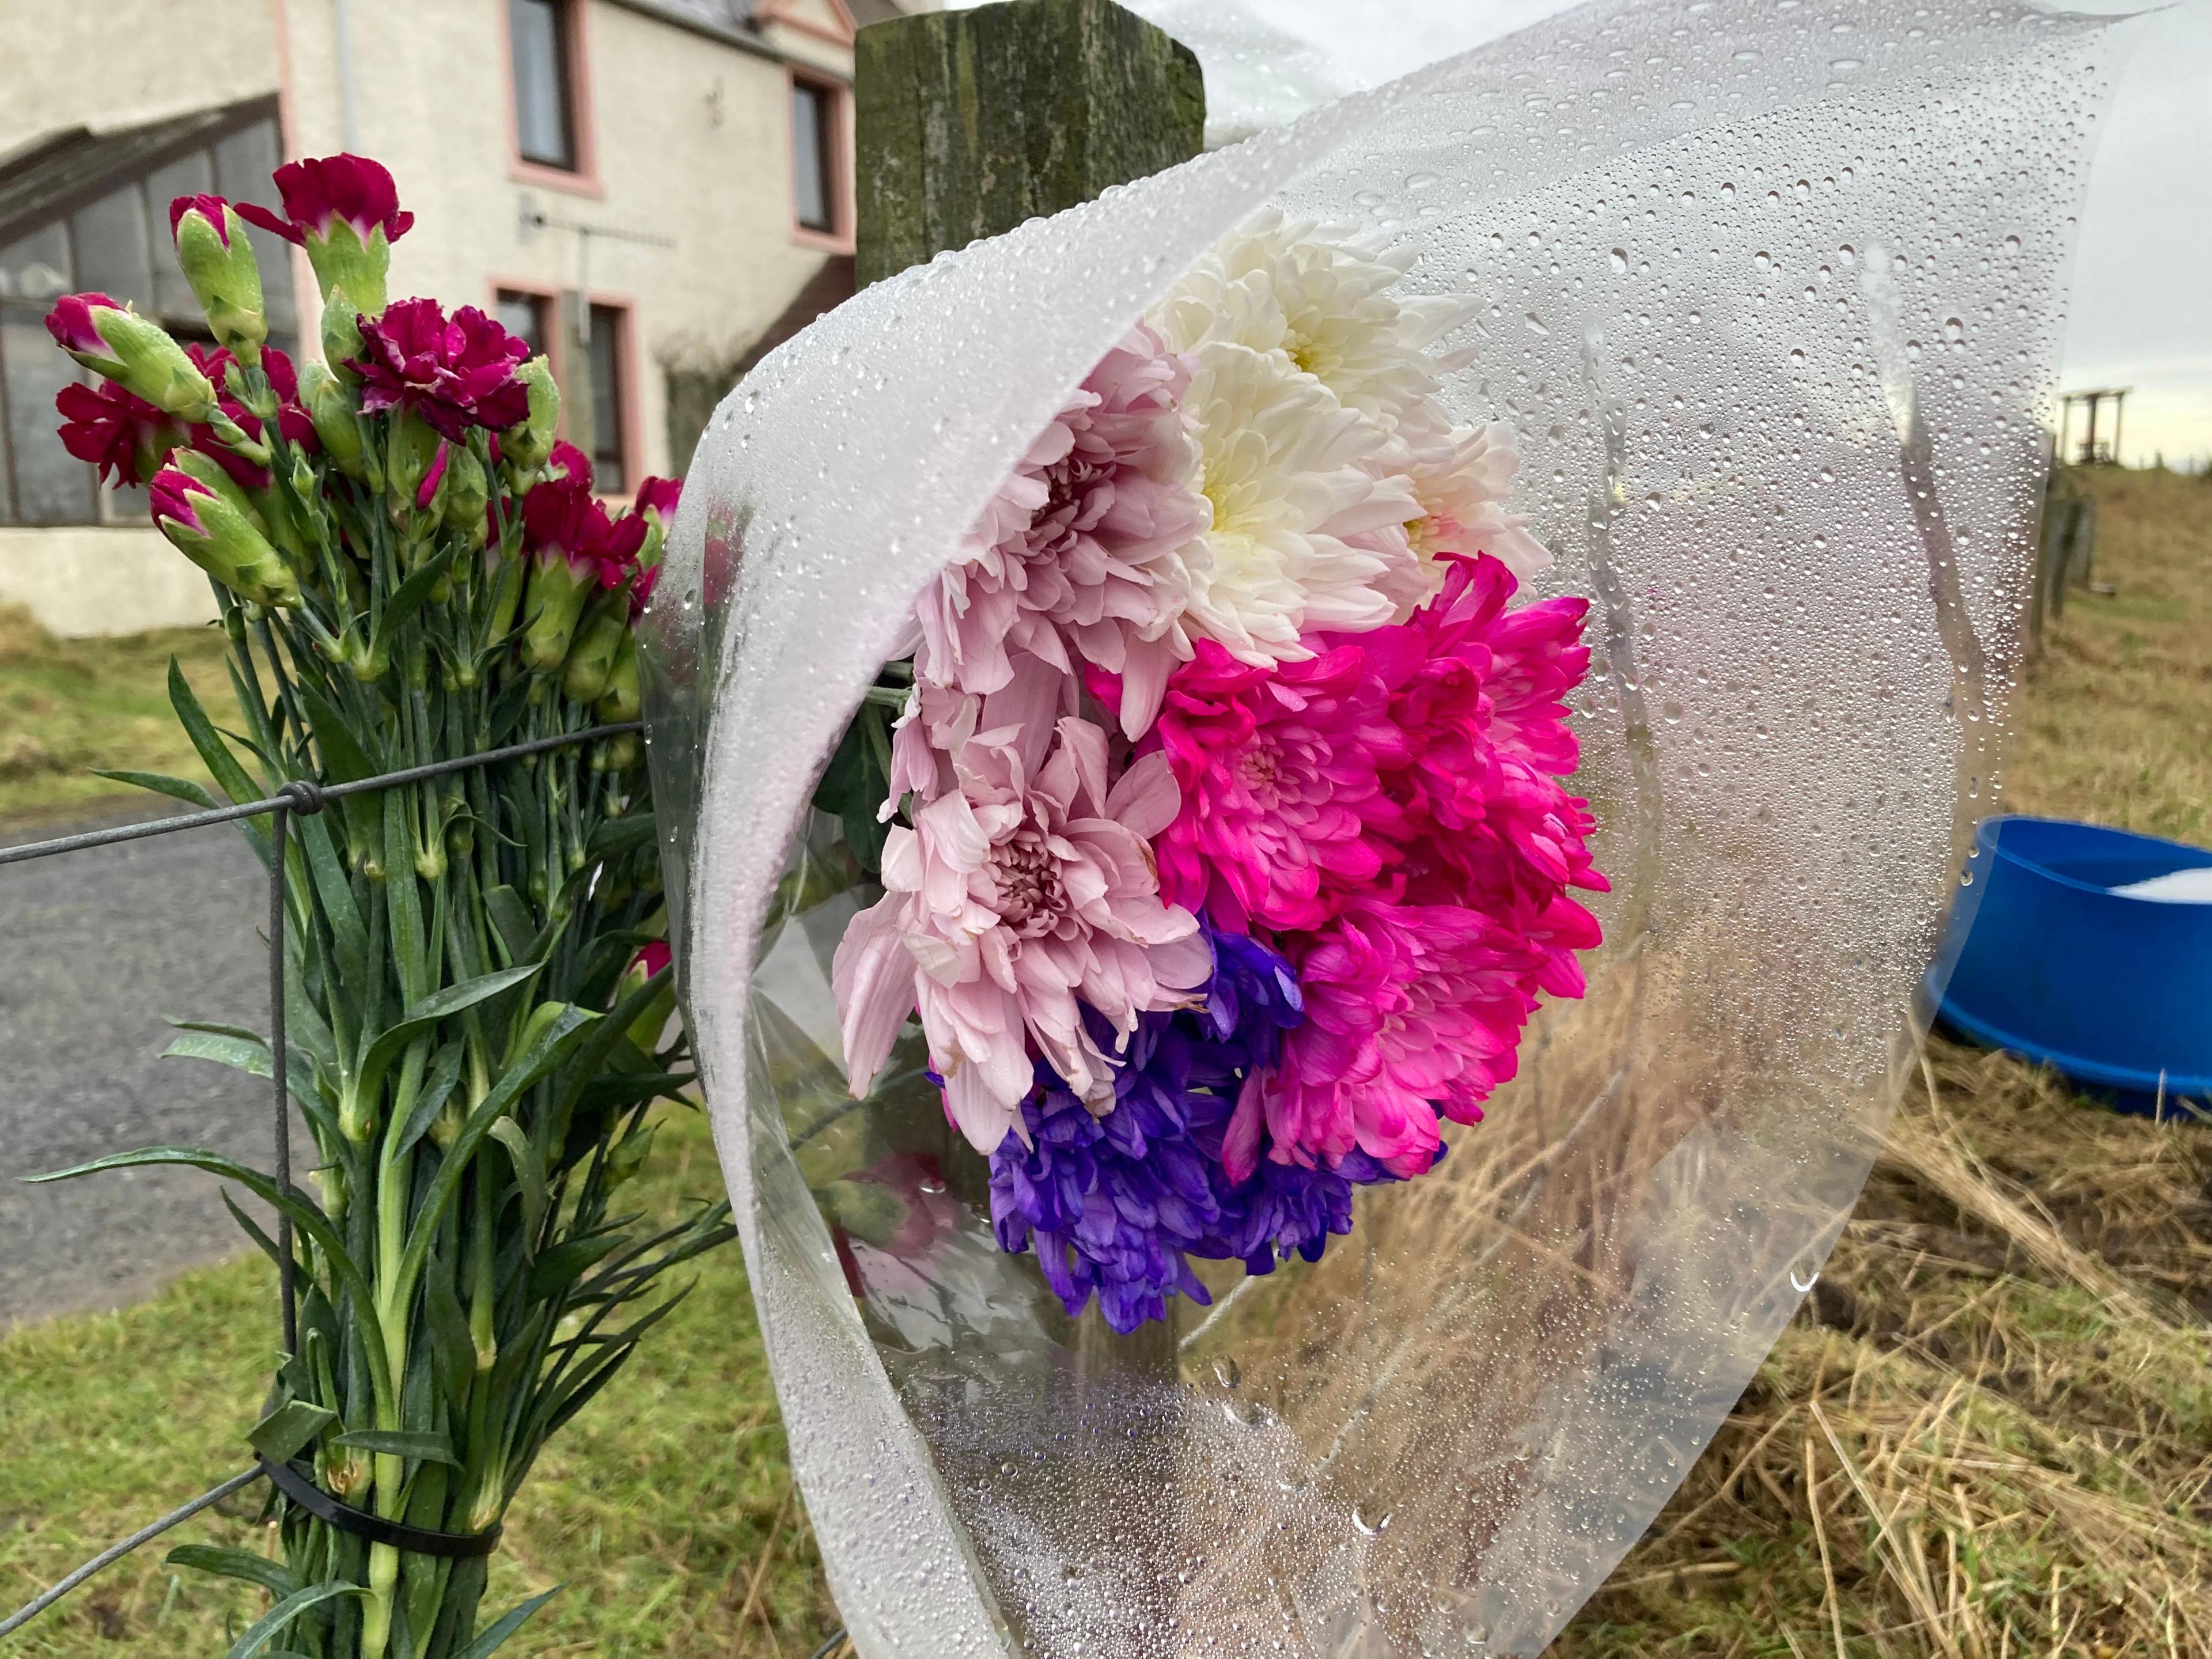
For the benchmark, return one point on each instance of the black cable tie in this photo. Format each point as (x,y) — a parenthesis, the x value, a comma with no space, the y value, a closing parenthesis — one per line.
(360,1523)
(306,796)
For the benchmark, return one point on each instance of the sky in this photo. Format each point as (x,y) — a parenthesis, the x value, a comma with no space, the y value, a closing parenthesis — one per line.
(2140,310)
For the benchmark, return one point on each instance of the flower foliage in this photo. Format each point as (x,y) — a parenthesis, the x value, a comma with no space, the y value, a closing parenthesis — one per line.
(1228,852)
(413,571)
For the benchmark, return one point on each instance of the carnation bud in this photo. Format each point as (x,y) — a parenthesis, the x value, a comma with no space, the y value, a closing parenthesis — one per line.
(134,352)
(626,1156)
(341,331)
(551,605)
(413,453)
(619,701)
(526,445)
(593,655)
(217,260)
(468,498)
(219,534)
(336,418)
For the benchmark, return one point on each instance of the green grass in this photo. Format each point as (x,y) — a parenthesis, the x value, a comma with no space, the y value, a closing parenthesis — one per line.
(666,1508)
(67,706)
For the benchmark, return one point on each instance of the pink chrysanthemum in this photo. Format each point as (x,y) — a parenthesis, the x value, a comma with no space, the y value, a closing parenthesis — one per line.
(1078,555)
(1410,1010)
(1021,895)
(1284,815)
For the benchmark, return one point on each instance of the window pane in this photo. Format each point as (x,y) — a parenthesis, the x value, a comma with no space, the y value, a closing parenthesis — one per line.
(243,164)
(607,435)
(523,315)
(192,176)
(36,267)
(542,131)
(810,156)
(111,251)
(51,485)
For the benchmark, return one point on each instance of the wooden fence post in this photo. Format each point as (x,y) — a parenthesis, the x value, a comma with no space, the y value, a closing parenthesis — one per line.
(970,122)
(967,123)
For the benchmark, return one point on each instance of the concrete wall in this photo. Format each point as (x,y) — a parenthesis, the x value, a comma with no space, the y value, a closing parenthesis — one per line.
(102,580)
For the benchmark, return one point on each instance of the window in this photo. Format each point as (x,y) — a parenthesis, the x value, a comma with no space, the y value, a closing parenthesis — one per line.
(523,315)
(544,102)
(106,227)
(814,156)
(609,446)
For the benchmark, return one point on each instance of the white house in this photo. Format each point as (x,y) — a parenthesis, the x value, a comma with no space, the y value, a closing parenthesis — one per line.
(650,190)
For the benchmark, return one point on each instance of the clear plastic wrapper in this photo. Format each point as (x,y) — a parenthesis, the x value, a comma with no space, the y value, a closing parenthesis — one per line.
(1771,294)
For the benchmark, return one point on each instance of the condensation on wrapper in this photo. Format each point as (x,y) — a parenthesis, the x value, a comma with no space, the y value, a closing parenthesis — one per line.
(1771,295)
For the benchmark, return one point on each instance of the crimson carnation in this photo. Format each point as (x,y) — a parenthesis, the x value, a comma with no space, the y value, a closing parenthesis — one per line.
(119,432)
(455,374)
(322,190)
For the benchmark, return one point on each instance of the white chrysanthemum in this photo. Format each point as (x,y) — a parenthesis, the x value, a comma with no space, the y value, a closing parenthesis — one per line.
(1462,479)
(1320,308)
(1280,461)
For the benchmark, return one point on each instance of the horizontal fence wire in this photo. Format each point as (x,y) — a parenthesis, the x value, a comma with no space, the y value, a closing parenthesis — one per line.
(298,796)
(303,797)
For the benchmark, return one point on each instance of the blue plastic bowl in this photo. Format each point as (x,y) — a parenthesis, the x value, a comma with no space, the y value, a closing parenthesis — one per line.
(2114,990)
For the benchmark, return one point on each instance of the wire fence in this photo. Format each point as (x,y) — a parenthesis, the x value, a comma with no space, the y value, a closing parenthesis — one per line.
(304,798)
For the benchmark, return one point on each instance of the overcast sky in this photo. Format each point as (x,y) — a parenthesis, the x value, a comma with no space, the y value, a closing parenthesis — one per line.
(2142,308)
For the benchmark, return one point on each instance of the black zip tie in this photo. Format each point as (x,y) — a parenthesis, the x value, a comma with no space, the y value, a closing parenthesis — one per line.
(360,1523)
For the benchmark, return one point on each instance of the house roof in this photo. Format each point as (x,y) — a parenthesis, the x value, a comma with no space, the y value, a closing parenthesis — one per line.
(55,172)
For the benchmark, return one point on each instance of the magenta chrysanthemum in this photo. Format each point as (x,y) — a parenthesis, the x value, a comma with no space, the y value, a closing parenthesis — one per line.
(1411,1010)
(1284,815)
(1078,555)
(1020,895)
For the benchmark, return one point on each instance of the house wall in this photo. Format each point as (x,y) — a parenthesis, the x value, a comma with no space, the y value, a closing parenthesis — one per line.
(689,137)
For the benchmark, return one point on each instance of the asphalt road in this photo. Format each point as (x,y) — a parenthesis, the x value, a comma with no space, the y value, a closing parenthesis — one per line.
(95,948)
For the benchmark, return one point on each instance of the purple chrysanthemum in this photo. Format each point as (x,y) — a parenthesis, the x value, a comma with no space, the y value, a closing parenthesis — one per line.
(1116,1205)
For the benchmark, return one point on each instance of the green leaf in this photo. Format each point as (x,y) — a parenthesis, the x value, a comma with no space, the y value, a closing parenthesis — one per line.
(491,1642)
(619,836)
(565,1263)
(263,1632)
(512,917)
(445,1072)
(181,789)
(396,1443)
(253,1230)
(281,1436)
(449,1335)
(344,761)
(420,1018)
(215,754)
(529,1174)
(307,1217)
(334,888)
(552,1048)
(403,898)
(272,1576)
(410,598)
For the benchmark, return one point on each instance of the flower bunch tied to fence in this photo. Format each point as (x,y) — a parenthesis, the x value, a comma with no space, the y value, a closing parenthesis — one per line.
(412,571)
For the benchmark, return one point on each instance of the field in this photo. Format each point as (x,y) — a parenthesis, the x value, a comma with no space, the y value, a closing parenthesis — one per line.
(1988,1434)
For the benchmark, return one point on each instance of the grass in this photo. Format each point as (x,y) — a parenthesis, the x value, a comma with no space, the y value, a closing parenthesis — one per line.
(1988,1434)
(67,706)
(667,1509)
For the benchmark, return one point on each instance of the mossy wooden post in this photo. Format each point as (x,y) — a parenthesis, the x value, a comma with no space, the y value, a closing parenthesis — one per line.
(970,122)
(967,123)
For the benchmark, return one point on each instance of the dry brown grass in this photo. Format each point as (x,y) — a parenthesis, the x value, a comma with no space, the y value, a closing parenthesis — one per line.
(1989,1432)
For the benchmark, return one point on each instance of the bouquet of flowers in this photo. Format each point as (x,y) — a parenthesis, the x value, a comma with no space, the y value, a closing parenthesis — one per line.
(1220,837)
(411,570)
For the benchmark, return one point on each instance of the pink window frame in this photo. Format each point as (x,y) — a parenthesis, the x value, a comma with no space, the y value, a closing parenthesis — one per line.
(624,307)
(839,241)
(575,37)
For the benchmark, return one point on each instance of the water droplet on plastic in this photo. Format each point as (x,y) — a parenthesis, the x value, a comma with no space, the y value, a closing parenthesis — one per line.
(1619,261)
